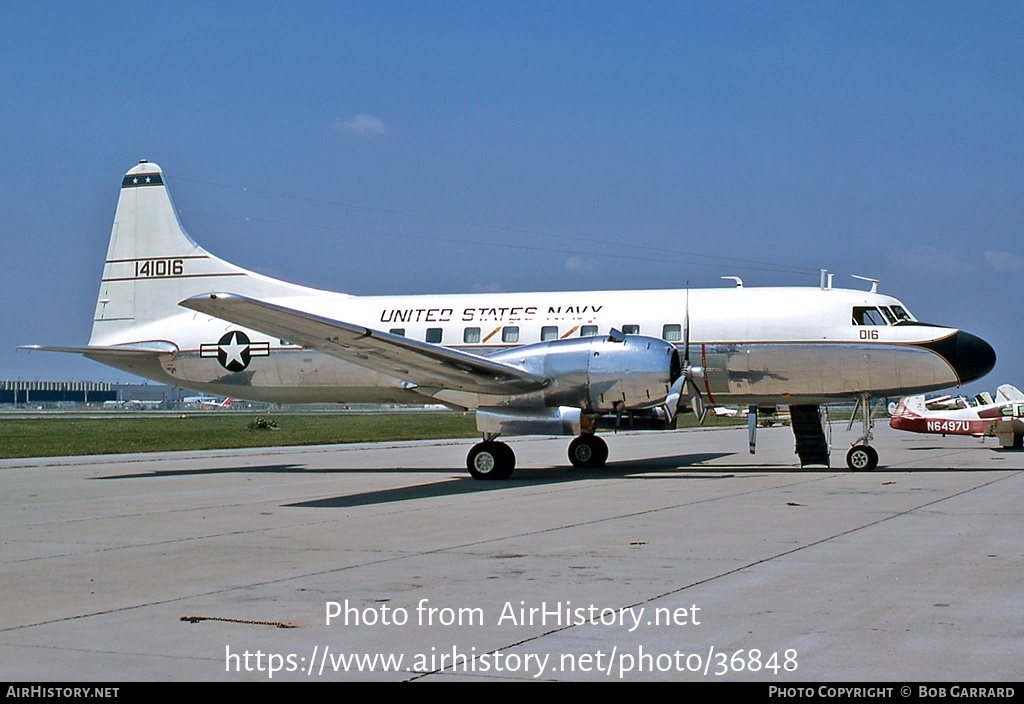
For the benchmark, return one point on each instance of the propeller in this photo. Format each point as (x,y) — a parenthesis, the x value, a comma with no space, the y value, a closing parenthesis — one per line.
(686,385)
(690,372)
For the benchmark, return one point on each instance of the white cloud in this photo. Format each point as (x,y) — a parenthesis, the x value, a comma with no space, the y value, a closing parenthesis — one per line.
(362,125)
(580,265)
(930,260)
(1004,261)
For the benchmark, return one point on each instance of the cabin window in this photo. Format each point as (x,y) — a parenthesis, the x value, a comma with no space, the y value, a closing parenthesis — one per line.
(397,331)
(588,331)
(471,335)
(672,332)
(630,329)
(434,335)
(867,316)
(548,333)
(510,333)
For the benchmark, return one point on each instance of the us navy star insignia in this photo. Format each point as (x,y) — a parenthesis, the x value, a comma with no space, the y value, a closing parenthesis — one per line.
(234,350)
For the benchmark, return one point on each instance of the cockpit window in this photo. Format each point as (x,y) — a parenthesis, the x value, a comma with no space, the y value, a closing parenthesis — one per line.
(867,316)
(901,314)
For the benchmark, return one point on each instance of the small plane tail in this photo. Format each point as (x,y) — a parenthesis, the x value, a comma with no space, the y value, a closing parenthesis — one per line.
(152,264)
(1009,392)
(910,406)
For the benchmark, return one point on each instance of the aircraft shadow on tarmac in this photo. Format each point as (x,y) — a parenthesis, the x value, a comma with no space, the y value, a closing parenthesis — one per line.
(242,469)
(524,477)
(539,475)
(687,466)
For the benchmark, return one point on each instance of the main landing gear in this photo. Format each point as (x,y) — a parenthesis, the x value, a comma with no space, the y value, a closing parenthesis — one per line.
(491,459)
(862,457)
(588,451)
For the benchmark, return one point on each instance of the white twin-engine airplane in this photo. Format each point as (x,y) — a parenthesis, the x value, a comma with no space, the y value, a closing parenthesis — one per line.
(528,363)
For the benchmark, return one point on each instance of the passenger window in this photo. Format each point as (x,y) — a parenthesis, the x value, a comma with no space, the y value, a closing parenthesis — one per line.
(397,331)
(630,329)
(434,335)
(672,332)
(471,335)
(588,331)
(510,333)
(867,316)
(548,333)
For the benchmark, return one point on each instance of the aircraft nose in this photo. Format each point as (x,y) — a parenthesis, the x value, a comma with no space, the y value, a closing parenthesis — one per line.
(970,356)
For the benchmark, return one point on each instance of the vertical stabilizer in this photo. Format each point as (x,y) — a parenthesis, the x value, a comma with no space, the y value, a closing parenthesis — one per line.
(1009,392)
(912,406)
(152,264)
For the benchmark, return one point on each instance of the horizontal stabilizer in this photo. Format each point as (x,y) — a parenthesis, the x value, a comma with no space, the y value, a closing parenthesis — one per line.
(146,349)
(419,363)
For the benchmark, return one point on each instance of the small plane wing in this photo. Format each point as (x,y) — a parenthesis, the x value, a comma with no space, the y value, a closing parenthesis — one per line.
(419,363)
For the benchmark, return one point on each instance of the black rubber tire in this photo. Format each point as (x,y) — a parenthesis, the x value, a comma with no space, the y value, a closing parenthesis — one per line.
(862,458)
(491,460)
(588,451)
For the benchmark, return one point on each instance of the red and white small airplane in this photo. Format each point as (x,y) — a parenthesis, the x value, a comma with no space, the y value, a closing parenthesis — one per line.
(207,402)
(952,416)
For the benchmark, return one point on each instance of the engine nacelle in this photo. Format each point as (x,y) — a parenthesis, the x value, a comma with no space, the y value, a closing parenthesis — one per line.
(601,374)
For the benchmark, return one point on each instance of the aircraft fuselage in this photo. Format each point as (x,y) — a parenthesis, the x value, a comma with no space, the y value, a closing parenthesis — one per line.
(756,345)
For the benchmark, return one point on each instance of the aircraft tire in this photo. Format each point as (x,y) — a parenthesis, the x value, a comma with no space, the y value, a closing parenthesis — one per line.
(491,460)
(588,451)
(862,458)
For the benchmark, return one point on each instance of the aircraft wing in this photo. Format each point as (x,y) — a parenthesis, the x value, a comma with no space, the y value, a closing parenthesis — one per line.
(419,363)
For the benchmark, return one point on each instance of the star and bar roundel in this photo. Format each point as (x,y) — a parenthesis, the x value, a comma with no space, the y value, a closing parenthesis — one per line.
(234,350)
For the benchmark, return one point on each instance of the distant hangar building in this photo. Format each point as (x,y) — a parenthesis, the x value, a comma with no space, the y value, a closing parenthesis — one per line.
(25,392)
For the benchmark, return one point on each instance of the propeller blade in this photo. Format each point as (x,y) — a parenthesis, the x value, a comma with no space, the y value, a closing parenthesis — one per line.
(675,395)
(752,428)
(696,401)
(686,330)
(697,404)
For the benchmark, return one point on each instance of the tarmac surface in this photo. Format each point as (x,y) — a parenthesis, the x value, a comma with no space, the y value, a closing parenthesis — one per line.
(685,559)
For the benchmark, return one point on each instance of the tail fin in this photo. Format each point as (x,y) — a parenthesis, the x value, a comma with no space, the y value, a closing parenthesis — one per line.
(152,264)
(910,406)
(1009,392)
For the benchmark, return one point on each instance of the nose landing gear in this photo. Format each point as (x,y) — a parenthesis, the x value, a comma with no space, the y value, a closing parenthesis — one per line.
(862,457)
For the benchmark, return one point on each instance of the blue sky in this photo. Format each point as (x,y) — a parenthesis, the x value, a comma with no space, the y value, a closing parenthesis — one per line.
(415,147)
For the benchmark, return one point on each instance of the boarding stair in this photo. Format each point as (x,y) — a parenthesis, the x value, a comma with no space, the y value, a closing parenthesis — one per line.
(809,431)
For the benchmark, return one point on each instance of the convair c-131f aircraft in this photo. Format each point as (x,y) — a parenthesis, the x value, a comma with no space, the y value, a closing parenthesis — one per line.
(528,363)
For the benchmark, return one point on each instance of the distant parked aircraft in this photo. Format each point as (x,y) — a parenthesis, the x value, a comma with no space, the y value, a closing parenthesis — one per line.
(952,415)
